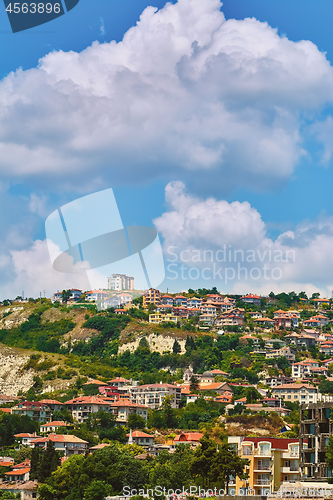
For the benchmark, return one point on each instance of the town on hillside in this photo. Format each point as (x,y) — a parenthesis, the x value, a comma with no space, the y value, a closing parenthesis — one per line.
(189,382)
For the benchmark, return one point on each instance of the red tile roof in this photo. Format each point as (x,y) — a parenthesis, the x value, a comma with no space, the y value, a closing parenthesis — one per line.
(87,400)
(277,443)
(24,435)
(51,402)
(100,446)
(127,403)
(118,379)
(18,472)
(95,382)
(140,434)
(56,423)
(22,465)
(189,436)
(293,386)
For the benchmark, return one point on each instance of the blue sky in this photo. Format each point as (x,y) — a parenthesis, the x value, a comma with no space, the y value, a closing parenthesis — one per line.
(286,180)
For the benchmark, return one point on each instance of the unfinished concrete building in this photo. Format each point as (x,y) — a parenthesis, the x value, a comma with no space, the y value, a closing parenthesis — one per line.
(316,427)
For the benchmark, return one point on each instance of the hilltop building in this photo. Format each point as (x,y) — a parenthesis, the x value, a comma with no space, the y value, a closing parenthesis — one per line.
(120,282)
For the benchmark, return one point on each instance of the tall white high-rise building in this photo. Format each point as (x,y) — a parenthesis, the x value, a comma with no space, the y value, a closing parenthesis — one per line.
(120,282)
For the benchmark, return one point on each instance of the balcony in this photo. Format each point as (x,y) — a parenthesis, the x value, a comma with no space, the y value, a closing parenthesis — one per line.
(261,482)
(262,465)
(289,454)
(288,470)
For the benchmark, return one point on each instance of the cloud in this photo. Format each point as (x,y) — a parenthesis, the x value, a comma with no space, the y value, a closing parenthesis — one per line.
(218,102)
(216,235)
(32,272)
(102,29)
(206,242)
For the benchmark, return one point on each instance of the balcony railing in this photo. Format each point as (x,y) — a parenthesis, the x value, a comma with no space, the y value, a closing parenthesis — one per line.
(261,482)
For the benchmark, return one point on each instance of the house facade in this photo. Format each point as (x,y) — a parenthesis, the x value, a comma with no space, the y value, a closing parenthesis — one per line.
(152,395)
(301,393)
(272,461)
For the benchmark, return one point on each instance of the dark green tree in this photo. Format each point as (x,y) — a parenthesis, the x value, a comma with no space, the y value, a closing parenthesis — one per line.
(176,349)
(194,384)
(35,460)
(136,421)
(97,490)
(190,344)
(65,296)
(203,460)
(143,344)
(49,462)
(168,412)
(252,395)
(227,464)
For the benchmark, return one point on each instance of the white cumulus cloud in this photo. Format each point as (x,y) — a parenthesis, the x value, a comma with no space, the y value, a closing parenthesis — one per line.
(218,101)
(214,234)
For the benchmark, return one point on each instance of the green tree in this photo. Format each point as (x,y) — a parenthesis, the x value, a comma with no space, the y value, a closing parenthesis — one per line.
(50,460)
(136,421)
(252,395)
(194,384)
(143,344)
(176,349)
(65,296)
(24,453)
(35,460)
(282,363)
(97,490)
(168,412)
(329,453)
(63,415)
(203,460)
(227,464)
(46,492)
(190,344)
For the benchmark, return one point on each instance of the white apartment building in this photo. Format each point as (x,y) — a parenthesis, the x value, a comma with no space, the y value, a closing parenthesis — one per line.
(304,368)
(120,282)
(83,406)
(123,409)
(303,393)
(65,443)
(152,395)
(285,351)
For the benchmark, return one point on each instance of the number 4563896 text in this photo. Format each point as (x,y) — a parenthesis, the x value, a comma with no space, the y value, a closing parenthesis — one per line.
(33,8)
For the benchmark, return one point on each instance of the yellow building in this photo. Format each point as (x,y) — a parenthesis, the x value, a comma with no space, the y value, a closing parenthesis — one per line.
(272,461)
(158,318)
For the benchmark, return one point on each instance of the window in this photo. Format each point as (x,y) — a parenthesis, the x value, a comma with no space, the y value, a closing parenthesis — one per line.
(264,449)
